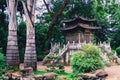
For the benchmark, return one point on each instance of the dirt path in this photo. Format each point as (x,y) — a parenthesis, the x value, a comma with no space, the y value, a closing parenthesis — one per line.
(113,72)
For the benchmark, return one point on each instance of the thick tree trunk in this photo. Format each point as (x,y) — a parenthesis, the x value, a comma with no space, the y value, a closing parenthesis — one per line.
(12,53)
(30,58)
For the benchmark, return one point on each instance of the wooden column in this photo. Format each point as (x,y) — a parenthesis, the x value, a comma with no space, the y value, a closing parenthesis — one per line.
(79,39)
(91,37)
(82,36)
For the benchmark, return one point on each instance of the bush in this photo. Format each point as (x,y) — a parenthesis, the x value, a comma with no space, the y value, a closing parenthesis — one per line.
(53,64)
(3,67)
(91,50)
(87,60)
(118,51)
(2,64)
(2,61)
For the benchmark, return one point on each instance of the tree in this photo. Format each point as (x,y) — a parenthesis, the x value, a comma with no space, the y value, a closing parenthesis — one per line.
(55,17)
(30,59)
(115,39)
(12,53)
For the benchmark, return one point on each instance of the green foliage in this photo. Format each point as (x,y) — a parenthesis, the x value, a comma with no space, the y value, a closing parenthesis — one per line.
(86,60)
(3,31)
(115,40)
(118,51)
(102,21)
(3,25)
(2,61)
(91,50)
(2,5)
(89,7)
(40,36)
(99,10)
(68,75)
(52,57)
(115,23)
(39,72)
(21,39)
(3,67)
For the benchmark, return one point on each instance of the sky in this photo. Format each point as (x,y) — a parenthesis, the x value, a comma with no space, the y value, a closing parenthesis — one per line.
(40,8)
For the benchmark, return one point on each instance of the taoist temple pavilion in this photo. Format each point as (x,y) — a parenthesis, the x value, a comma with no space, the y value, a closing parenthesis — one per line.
(79,29)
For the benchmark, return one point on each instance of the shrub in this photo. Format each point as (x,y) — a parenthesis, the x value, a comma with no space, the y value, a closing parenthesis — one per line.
(2,64)
(87,60)
(91,50)
(2,61)
(54,65)
(118,51)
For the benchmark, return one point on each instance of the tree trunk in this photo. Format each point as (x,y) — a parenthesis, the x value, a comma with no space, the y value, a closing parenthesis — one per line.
(30,58)
(12,53)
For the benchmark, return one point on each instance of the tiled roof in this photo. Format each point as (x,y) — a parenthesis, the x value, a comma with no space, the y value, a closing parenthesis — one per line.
(78,18)
(85,26)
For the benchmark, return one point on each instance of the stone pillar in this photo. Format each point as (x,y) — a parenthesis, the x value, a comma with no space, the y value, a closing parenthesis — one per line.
(67,57)
(64,59)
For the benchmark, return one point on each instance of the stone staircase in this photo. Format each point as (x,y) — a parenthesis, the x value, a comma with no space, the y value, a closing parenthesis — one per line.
(64,49)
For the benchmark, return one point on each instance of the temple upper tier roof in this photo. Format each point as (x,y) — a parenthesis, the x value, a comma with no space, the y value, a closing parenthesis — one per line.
(78,18)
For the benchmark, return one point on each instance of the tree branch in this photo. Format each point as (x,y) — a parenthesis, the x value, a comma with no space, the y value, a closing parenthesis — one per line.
(7,1)
(47,7)
(55,18)
(27,13)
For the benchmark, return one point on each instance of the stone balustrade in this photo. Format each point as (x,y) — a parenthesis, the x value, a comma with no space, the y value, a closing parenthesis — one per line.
(71,47)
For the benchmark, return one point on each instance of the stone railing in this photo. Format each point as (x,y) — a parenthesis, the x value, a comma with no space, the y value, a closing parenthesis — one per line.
(64,49)
(54,47)
(52,50)
(77,46)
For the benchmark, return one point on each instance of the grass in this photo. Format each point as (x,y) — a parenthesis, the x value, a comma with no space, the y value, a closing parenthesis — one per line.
(39,72)
(64,74)
(69,76)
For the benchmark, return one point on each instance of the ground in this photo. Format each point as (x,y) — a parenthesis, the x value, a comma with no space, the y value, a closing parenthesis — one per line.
(113,71)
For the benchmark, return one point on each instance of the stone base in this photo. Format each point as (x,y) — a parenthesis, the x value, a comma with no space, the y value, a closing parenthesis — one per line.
(27,71)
